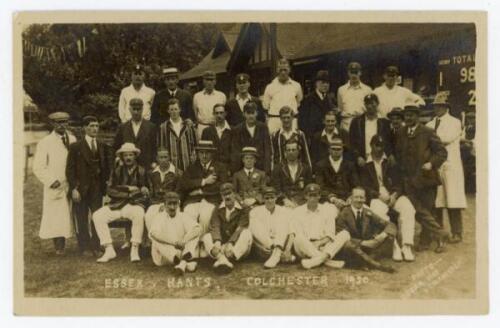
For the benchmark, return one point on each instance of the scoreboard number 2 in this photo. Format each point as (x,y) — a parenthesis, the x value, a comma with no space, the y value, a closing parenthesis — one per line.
(472,97)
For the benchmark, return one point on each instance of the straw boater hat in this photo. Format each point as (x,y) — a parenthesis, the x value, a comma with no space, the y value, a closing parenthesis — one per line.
(411,108)
(128,147)
(249,151)
(206,145)
(441,99)
(171,71)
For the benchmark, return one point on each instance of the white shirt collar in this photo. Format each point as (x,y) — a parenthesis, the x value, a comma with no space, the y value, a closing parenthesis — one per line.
(236,205)
(370,159)
(332,161)
(226,126)
(249,97)
(173,123)
(355,211)
(138,90)
(282,131)
(349,85)
(171,168)
(89,139)
(335,131)
(289,81)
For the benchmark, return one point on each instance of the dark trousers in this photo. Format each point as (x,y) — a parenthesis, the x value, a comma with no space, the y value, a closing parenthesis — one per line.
(455,215)
(357,255)
(59,243)
(423,200)
(85,230)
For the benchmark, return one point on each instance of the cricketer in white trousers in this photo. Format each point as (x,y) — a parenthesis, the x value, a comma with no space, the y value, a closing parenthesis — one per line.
(105,215)
(269,230)
(241,247)
(406,218)
(166,231)
(201,212)
(310,226)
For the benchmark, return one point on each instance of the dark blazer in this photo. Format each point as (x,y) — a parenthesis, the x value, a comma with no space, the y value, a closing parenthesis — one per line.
(234,114)
(191,181)
(223,145)
(246,187)
(311,113)
(357,136)
(159,113)
(371,224)
(320,147)
(145,141)
(413,152)
(288,188)
(391,176)
(83,171)
(160,188)
(227,231)
(118,188)
(261,140)
(338,184)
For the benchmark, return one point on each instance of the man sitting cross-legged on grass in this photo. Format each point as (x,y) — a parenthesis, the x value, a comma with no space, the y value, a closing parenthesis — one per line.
(174,236)
(369,232)
(270,227)
(314,227)
(129,196)
(228,238)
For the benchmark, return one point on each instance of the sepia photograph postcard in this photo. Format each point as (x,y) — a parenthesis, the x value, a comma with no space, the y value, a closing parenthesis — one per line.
(250,163)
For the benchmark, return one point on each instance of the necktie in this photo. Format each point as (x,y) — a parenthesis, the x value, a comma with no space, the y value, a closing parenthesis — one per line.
(323,96)
(249,173)
(411,131)
(93,147)
(359,226)
(65,141)
(438,121)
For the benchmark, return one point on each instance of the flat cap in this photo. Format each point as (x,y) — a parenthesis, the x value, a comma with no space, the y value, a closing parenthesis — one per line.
(171,196)
(89,119)
(312,188)
(395,112)
(170,71)
(354,67)
(59,116)
(209,75)
(226,188)
(411,108)
(242,78)
(138,68)
(268,190)
(371,98)
(391,70)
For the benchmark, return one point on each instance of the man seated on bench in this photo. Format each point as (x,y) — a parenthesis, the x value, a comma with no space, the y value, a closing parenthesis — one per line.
(129,194)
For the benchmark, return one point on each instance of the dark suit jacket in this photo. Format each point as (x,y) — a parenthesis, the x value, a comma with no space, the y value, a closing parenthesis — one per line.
(223,145)
(191,180)
(413,152)
(86,173)
(234,114)
(357,136)
(311,113)
(285,186)
(145,141)
(371,224)
(246,187)
(320,147)
(227,231)
(339,183)
(160,188)
(261,140)
(390,175)
(159,108)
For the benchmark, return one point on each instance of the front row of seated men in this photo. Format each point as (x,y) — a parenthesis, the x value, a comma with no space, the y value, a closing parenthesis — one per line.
(225,221)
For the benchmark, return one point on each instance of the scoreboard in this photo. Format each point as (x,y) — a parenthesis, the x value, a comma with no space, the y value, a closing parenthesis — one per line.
(457,74)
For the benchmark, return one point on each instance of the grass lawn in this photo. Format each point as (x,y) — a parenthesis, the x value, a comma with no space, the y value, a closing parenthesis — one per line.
(450,275)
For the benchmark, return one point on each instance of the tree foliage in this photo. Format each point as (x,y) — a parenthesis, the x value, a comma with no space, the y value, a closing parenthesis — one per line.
(91,84)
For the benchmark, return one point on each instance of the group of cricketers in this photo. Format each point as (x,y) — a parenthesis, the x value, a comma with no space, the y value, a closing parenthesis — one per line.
(286,179)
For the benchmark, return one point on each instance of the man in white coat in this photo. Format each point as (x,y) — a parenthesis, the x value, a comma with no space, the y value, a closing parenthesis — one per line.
(451,194)
(49,166)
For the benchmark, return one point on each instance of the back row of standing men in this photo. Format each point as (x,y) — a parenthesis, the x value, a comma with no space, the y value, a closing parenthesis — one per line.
(291,157)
